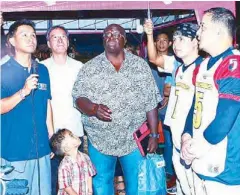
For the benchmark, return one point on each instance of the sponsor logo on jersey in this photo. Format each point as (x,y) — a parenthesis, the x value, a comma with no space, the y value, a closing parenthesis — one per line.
(213,168)
(204,85)
(42,86)
(182,85)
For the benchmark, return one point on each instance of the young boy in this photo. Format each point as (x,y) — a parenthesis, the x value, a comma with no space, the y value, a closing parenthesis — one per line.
(76,170)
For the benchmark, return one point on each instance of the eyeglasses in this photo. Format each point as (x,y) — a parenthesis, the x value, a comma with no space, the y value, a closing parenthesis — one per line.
(114,34)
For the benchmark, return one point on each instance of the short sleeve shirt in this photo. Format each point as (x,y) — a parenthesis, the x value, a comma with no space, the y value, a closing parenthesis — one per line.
(62,77)
(129,93)
(168,64)
(74,173)
(28,117)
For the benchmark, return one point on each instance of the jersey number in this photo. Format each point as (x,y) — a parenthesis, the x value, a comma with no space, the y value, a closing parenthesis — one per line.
(198,108)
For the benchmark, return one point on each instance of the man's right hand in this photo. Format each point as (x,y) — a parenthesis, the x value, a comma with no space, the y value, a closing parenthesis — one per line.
(148,27)
(103,113)
(186,153)
(30,84)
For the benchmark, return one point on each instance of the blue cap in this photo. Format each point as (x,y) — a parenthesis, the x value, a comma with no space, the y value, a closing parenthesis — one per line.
(187,30)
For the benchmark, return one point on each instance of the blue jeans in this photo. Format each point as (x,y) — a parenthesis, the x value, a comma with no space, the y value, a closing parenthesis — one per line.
(105,166)
(168,147)
(28,170)
(168,150)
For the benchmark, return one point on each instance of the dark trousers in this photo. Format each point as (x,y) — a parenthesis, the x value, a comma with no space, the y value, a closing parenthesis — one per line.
(118,169)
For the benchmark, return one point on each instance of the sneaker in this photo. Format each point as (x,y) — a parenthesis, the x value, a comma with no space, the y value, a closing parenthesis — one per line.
(172,190)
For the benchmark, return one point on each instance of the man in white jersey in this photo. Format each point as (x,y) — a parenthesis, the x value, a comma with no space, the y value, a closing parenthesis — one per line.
(212,143)
(63,71)
(164,63)
(185,46)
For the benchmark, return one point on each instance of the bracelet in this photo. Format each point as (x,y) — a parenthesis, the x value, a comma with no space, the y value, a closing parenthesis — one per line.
(22,94)
(154,135)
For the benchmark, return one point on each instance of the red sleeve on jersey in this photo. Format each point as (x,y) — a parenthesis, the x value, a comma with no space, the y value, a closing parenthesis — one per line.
(227,78)
(195,73)
(229,67)
(229,96)
(177,71)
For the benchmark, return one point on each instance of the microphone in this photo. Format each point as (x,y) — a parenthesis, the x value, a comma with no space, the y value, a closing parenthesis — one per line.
(34,70)
(34,67)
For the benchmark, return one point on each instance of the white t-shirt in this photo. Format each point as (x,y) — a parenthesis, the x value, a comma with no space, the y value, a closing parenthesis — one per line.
(168,64)
(62,79)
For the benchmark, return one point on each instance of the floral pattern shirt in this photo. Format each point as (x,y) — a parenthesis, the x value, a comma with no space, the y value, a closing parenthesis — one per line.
(130,93)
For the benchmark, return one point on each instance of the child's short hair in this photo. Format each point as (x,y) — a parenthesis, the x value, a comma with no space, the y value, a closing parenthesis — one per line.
(56,142)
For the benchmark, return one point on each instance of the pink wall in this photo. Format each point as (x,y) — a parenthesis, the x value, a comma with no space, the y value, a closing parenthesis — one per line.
(200,6)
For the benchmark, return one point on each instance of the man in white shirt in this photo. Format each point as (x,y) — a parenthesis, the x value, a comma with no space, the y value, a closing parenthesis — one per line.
(165,63)
(63,71)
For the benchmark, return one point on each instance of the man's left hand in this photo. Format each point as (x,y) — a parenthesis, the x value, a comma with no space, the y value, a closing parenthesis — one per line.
(152,144)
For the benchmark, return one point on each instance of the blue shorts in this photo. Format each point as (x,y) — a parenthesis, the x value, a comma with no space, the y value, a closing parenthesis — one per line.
(29,170)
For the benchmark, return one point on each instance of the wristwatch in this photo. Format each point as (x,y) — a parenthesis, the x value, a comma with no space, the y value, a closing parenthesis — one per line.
(154,135)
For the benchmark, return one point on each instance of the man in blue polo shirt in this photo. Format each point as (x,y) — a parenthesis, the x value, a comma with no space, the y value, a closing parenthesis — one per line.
(26,114)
